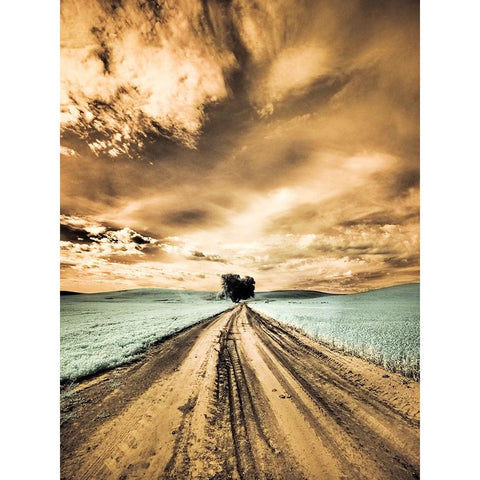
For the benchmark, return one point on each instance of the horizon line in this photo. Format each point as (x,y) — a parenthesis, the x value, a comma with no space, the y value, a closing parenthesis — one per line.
(72,292)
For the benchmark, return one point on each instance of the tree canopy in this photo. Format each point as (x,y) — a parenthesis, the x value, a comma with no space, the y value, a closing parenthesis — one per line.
(237,288)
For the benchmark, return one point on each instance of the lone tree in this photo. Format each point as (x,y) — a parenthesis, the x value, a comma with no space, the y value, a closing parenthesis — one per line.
(237,288)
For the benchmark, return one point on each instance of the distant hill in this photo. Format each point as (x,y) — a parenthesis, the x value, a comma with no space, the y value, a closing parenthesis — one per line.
(140,295)
(280,294)
(398,290)
(161,294)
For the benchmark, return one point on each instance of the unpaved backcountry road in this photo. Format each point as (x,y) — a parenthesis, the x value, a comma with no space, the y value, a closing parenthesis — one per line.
(240,396)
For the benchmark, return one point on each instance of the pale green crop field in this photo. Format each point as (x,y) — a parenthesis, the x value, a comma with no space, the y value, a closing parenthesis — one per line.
(104,330)
(382,326)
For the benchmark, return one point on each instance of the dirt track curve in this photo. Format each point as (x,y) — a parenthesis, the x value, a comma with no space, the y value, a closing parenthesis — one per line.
(241,396)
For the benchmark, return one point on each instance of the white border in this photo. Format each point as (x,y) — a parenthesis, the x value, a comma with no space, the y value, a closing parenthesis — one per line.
(449,261)
(29,240)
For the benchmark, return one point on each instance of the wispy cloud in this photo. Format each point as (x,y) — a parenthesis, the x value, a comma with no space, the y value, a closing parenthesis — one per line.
(276,139)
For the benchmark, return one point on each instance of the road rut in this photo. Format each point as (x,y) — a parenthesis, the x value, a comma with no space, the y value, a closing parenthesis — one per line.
(242,396)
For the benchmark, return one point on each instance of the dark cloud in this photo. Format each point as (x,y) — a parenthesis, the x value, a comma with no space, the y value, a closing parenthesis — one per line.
(403,261)
(187,217)
(95,242)
(103,51)
(406,180)
(66,265)
(217,18)
(207,258)
(382,218)
(137,238)
(71,234)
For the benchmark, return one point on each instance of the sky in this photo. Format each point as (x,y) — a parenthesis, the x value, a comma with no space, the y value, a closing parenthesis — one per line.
(277,139)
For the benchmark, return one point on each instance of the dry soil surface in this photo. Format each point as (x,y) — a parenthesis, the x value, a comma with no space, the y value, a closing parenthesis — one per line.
(241,396)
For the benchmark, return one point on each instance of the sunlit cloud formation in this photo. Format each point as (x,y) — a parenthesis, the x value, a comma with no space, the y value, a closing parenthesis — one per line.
(276,139)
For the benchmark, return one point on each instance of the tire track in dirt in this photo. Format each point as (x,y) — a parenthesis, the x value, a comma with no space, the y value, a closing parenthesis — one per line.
(139,442)
(366,425)
(251,399)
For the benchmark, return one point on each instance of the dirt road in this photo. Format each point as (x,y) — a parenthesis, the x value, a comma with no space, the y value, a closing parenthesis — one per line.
(241,396)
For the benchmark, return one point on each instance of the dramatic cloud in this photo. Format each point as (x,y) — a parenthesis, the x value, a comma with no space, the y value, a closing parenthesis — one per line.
(273,139)
(131,68)
(87,242)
